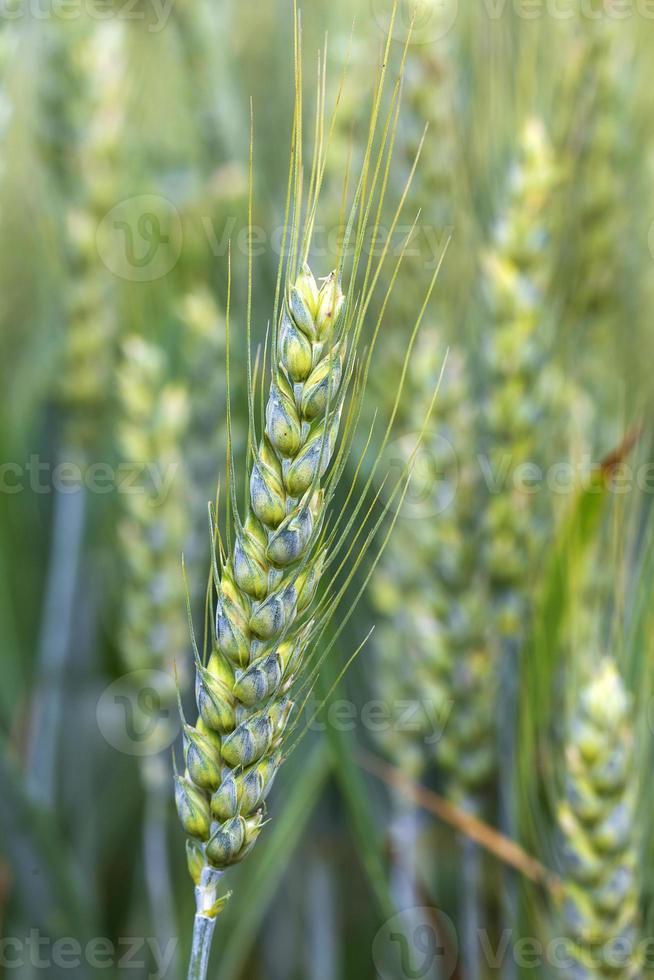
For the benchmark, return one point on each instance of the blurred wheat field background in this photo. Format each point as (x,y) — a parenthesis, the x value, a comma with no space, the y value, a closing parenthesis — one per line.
(466,629)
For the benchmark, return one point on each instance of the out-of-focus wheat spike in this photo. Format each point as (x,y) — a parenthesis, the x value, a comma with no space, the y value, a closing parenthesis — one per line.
(153,528)
(96,58)
(152,533)
(433,648)
(598,831)
(516,355)
(203,346)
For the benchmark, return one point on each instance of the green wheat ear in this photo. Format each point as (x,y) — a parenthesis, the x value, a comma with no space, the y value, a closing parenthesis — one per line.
(598,828)
(267,584)
(289,542)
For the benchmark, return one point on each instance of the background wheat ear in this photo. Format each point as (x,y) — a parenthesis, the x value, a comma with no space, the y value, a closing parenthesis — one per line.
(598,832)
(154,522)
(517,405)
(203,325)
(81,120)
(95,63)
(423,584)
(434,648)
(152,532)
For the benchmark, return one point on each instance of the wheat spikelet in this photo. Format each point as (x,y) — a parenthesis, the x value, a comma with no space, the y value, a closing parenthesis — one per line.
(153,527)
(96,63)
(597,277)
(597,823)
(517,415)
(266,587)
(595,147)
(205,446)
(521,392)
(465,750)
(432,647)
(434,650)
(407,640)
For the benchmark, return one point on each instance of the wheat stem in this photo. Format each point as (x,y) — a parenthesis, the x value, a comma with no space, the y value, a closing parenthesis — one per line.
(203,929)
(54,642)
(470,906)
(404,837)
(204,923)
(154,773)
(508,673)
(323,952)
